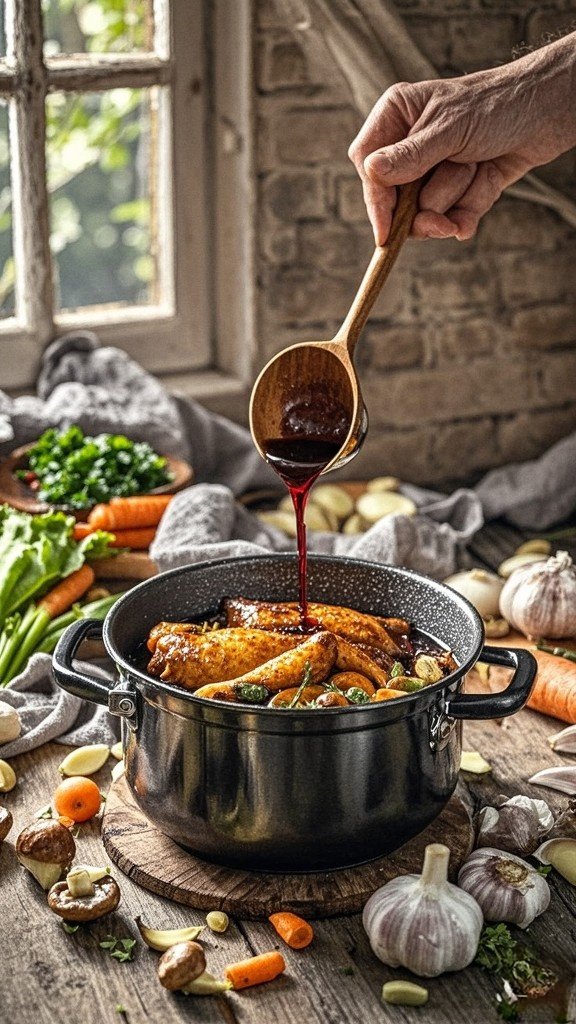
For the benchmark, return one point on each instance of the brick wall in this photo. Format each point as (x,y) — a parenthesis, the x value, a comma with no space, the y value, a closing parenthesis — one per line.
(469,359)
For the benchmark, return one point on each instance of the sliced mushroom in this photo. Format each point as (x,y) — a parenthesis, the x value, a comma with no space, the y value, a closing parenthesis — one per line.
(6,822)
(180,965)
(46,848)
(104,899)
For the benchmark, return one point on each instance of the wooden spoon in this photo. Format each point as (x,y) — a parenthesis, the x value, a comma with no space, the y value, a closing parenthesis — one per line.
(319,375)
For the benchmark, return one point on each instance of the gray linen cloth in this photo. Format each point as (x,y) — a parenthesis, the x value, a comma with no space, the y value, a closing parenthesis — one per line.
(102,389)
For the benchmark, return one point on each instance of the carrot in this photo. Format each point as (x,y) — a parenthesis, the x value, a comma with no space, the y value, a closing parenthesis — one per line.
(255,970)
(554,692)
(130,513)
(63,596)
(295,931)
(82,530)
(139,539)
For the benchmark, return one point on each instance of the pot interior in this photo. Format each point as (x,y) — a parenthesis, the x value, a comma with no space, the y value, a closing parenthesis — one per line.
(196,590)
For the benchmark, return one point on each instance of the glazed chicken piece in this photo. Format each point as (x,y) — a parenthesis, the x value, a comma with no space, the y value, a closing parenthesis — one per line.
(174,628)
(195,659)
(352,658)
(314,654)
(345,622)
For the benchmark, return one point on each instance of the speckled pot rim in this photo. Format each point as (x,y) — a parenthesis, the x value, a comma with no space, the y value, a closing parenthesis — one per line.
(383,708)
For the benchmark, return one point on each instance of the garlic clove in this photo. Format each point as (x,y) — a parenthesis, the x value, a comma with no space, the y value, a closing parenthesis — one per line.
(496,627)
(540,807)
(537,546)
(7,777)
(10,725)
(561,854)
(117,751)
(85,760)
(404,993)
(564,741)
(118,771)
(163,939)
(472,761)
(510,565)
(562,778)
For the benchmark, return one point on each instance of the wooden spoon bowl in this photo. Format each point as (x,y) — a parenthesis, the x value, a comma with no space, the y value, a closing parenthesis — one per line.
(318,378)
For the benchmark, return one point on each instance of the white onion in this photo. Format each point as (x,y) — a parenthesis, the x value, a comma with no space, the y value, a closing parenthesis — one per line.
(481,588)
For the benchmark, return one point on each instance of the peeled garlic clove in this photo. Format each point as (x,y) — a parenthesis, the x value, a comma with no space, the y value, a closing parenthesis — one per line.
(217,921)
(163,939)
(427,668)
(496,627)
(404,993)
(537,546)
(85,760)
(206,985)
(323,515)
(333,499)
(509,565)
(472,761)
(353,525)
(562,778)
(374,506)
(7,777)
(10,725)
(564,741)
(117,751)
(118,771)
(561,854)
(79,882)
(382,483)
(280,520)
(94,873)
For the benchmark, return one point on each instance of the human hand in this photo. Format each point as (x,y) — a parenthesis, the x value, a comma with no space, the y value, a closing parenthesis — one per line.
(480,132)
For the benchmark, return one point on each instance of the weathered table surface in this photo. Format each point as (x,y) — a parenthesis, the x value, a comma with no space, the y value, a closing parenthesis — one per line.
(50,977)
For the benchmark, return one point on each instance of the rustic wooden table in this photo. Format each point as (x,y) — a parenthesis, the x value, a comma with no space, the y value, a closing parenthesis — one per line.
(50,977)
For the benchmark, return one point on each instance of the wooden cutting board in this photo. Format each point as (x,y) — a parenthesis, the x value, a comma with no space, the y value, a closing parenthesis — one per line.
(158,864)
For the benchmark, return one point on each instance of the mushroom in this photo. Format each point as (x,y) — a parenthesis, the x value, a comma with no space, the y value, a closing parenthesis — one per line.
(46,848)
(180,965)
(79,898)
(6,822)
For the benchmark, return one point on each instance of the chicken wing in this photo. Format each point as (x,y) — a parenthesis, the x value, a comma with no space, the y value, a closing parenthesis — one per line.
(192,660)
(351,658)
(345,622)
(173,628)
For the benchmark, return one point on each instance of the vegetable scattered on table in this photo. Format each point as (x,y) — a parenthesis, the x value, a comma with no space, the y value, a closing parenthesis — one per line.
(46,849)
(80,899)
(77,798)
(78,471)
(163,939)
(505,887)
(295,931)
(85,760)
(255,970)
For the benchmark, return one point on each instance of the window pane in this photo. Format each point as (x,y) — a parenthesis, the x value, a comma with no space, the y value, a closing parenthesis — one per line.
(2,28)
(101,170)
(6,254)
(97,26)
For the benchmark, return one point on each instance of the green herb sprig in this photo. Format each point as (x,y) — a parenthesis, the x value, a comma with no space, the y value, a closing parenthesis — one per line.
(120,949)
(512,961)
(306,680)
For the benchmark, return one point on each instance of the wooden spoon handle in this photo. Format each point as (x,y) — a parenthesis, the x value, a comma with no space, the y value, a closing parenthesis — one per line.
(380,265)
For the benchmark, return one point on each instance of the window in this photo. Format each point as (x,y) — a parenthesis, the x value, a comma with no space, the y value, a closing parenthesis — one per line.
(114,132)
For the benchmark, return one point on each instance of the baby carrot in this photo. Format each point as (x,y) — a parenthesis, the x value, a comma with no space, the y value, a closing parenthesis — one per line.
(295,931)
(255,970)
(63,596)
(82,530)
(130,513)
(136,538)
(554,691)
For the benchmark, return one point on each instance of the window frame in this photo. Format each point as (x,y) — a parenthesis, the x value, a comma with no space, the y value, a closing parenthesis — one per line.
(200,337)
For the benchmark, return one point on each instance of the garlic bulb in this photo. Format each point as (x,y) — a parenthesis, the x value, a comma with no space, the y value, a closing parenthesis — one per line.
(540,599)
(423,922)
(505,887)
(481,588)
(510,827)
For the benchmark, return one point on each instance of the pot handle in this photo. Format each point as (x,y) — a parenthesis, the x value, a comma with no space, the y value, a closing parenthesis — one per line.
(510,700)
(69,678)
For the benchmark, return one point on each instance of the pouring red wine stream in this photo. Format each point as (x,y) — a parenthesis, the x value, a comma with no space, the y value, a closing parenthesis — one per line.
(313,431)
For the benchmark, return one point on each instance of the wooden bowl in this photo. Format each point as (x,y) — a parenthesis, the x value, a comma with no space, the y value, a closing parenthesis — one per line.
(19,495)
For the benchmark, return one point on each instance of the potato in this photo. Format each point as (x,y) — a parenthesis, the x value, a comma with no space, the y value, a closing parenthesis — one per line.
(373,506)
(333,498)
(354,524)
(281,520)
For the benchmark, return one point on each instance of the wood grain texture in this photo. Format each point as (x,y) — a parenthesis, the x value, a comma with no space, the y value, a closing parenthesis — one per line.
(159,864)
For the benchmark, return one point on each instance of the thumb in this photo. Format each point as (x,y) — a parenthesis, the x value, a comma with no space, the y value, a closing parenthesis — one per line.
(408,159)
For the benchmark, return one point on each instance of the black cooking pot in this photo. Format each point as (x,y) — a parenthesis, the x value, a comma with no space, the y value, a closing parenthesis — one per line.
(282,790)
